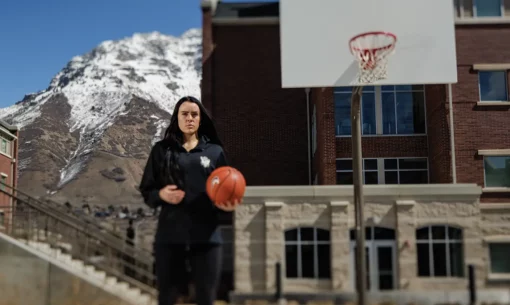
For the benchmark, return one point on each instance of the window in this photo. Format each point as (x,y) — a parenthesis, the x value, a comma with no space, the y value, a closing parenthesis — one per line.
(493,86)
(496,171)
(3,182)
(488,8)
(307,253)
(498,254)
(385,171)
(342,97)
(2,219)
(440,251)
(3,146)
(385,110)
(403,109)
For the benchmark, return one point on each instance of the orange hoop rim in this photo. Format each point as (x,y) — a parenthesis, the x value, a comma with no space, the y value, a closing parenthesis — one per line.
(388,46)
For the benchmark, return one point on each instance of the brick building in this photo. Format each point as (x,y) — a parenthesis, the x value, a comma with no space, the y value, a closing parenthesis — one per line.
(8,168)
(281,136)
(299,137)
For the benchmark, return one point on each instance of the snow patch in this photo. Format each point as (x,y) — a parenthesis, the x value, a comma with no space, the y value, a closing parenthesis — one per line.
(101,83)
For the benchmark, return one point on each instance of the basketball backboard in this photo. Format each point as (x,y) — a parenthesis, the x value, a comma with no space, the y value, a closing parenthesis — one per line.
(314,41)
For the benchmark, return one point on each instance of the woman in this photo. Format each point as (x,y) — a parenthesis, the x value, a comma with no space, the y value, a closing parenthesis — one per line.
(174,178)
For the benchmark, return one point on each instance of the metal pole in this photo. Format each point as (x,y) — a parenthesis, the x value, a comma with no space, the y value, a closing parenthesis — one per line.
(279,286)
(357,169)
(452,134)
(472,284)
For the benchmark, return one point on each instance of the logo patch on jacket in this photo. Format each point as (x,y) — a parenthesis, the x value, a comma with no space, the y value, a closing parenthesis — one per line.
(205,162)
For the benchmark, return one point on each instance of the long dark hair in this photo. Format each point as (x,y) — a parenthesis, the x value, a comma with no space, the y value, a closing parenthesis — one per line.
(172,173)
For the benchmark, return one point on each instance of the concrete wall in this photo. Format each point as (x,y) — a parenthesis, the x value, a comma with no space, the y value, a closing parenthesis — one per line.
(266,212)
(29,279)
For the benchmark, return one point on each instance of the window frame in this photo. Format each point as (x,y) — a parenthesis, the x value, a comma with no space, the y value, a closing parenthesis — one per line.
(337,91)
(501,10)
(447,241)
(7,151)
(381,170)
(377,91)
(298,243)
(485,187)
(505,73)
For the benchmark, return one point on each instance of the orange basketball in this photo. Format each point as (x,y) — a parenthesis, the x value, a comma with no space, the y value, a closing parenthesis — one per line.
(225,184)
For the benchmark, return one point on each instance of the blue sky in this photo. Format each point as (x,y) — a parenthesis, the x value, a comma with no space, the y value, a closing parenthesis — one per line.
(38,37)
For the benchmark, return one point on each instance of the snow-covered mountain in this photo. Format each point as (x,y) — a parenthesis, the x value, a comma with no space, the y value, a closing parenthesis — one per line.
(101,113)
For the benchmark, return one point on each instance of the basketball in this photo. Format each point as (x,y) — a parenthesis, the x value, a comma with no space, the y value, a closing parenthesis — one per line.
(225,184)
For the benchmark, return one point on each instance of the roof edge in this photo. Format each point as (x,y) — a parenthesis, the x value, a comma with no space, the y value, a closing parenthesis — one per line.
(211,4)
(8,126)
(246,21)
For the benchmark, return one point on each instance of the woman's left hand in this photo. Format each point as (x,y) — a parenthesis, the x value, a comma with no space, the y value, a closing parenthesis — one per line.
(228,206)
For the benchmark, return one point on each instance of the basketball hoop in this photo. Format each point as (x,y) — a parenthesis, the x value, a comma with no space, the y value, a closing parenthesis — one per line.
(371,50)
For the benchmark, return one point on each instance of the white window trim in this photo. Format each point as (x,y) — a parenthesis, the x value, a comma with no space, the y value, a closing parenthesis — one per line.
(495,206)
(496,239)
(381,170)
(8,133)
(501,10)
(8,153)
(379,116)
(493,153)
(492,68)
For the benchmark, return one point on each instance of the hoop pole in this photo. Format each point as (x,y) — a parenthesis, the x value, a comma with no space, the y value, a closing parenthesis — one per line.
(357,167)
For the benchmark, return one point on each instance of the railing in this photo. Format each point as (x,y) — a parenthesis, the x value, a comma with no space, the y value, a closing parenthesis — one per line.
(28,219)
(81,219)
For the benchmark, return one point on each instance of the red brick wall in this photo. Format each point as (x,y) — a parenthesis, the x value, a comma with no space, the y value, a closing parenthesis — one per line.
(438,130)
(324,157)
(329,147)
(382,147)
(478,127)
(263,126)
(6,167)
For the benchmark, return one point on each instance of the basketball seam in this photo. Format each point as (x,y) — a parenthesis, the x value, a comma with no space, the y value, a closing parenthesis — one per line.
(233,190)
(219,185)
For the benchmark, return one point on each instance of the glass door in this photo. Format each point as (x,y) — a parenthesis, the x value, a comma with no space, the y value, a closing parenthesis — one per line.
(380,265)
(385,266)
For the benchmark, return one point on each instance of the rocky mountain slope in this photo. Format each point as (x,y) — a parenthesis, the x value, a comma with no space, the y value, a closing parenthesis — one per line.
(85,138)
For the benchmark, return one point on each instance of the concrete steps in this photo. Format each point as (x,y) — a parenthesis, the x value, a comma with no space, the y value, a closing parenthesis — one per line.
(123,290)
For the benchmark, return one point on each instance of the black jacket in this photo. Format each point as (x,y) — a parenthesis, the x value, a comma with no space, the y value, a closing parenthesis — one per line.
(195,219)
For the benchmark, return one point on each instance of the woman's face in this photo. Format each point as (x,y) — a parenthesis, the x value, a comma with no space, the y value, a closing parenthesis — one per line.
(189,118)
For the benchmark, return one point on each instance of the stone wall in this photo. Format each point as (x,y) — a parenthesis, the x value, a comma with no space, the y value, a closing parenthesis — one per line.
(267,212)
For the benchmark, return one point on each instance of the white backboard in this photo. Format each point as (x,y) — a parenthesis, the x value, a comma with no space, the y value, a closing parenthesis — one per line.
(315,34)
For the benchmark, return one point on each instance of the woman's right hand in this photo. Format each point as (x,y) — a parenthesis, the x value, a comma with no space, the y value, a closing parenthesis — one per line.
(171,194)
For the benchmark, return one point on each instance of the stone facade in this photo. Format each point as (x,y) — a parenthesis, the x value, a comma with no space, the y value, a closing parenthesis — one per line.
(260,223)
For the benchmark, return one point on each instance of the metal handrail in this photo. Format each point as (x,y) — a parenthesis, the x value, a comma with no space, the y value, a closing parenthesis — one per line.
(85,222)
(22,212)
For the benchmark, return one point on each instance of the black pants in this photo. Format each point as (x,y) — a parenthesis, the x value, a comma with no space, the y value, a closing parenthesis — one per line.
(205,261)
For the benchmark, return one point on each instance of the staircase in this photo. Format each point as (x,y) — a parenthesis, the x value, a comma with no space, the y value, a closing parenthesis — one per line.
(82,247)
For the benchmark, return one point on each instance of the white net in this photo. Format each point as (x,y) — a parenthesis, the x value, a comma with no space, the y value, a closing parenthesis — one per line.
(372,51)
